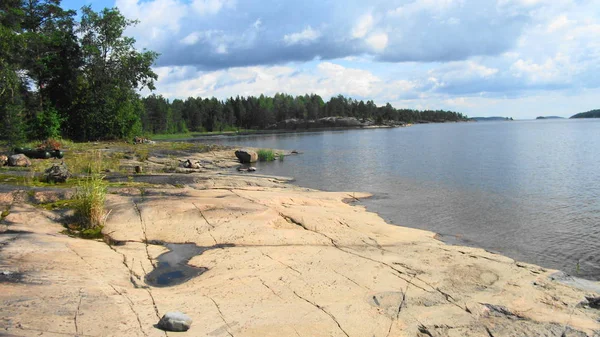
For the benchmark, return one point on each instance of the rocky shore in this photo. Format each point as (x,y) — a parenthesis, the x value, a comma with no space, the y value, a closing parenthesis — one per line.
(250,255)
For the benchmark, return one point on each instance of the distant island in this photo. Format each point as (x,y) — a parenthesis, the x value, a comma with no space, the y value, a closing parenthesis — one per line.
(588,114)
(549,117)
(490,119)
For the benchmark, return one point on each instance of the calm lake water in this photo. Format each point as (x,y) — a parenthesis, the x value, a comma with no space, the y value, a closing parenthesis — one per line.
(527,189)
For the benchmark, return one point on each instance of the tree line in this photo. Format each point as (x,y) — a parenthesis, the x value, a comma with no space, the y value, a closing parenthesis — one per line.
(210,114)
(80,79)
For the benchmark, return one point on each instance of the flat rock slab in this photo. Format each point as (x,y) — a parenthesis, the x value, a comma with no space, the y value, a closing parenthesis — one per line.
(287,261)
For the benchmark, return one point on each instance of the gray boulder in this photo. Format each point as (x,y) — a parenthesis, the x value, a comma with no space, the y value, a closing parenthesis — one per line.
(57,174)
(20,160)
(246,156)
(175,321)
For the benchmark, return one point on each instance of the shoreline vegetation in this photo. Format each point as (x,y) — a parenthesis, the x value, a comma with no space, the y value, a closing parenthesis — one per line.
(255,249)
(588,114)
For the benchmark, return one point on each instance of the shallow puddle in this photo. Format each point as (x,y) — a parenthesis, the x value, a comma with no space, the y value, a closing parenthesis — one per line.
(173,268)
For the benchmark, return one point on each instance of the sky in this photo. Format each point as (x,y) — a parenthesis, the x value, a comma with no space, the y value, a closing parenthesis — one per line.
(516,58)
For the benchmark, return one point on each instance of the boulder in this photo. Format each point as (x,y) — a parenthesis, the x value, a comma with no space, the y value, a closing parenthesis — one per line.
(19,160)
(175,321)
(57,174)
(246,156)
(3,160)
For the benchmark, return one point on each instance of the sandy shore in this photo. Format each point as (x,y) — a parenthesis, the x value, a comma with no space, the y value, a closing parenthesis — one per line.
(279,260)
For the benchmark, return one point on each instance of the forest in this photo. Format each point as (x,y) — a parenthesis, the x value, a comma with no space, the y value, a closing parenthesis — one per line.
(588,114)
(79,77)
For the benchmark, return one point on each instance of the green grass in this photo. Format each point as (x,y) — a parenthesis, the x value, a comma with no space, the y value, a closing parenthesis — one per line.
(228,130)
(89,205)
(266,155)
(281,157)
(58,204)
(5,213)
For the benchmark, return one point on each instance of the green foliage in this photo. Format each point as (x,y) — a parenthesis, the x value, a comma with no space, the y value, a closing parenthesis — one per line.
(46,124)
(89,206)
(281,157)
(5,213)
(211,115)
(266,155)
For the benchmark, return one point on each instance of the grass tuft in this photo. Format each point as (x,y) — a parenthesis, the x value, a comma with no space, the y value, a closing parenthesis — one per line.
(281,157)
(266,155)
(89,206)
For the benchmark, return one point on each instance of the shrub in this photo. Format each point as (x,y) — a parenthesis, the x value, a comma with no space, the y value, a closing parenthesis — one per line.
(46,124)
(89,205)
(50,144)
(266,155)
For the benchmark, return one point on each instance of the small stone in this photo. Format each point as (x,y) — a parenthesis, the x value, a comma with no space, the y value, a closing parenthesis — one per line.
(3,160)
(138,169)
(175,321)
(20,160)
(251,169)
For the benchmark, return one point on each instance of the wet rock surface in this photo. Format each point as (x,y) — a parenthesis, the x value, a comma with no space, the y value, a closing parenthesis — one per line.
(172,267)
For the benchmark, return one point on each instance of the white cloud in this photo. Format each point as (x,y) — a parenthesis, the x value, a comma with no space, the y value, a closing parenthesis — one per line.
(161,18)
(378,41)
(363,26)
(211,7)
(559,23)
(326,79)
(192,38)
(305,36)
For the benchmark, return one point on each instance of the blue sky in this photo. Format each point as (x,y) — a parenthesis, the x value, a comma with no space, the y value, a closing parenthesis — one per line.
(518,58)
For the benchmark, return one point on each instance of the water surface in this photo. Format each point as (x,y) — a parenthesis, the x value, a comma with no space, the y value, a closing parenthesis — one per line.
(527,189)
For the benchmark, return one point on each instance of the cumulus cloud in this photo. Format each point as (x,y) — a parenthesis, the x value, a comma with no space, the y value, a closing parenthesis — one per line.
(211,7)
(305,36)
(392,31)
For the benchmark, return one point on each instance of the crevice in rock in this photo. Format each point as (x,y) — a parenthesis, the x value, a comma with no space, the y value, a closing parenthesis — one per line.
(143,227)
(323,310)
(499,310)
(424,330)
(271,289)
(222,317)
(351,280)
(131,306)
(285,265)
(77,313)
(399,308)
(203,217)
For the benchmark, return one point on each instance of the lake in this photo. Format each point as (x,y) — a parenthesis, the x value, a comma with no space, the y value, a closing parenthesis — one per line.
(526,189)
